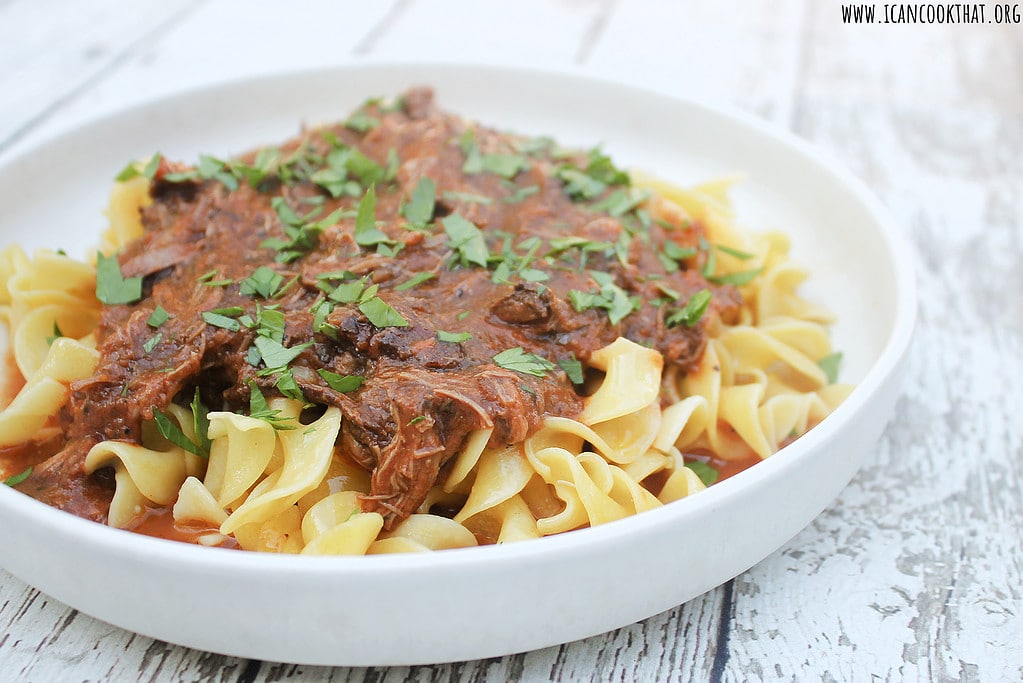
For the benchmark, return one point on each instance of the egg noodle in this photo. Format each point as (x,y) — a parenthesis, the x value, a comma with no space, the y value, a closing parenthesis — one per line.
(282,488)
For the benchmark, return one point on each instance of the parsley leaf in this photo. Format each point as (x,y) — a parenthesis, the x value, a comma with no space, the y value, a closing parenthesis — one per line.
(466,239)
(691,313)
(172,432)
(707,474)
(135,169)
(738,279)
(16,479)
(219,320)
(201,422)
(453,337)
(520,361)
(264,281)
(341,383)
(57,334)
(419,210)
(415,280)
(152,342)
(380,313)
(520,194)
(275,354)
(361,122)
(610,297)
(573,368)
(260,409)
(111,286)
(830,365)
(366,232)
(158,317)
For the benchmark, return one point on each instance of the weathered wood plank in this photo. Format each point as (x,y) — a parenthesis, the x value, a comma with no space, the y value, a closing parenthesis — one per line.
(55,51)
(212,42)
(915,572)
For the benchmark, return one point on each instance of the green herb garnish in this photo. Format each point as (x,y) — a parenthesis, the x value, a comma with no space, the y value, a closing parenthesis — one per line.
(341,383)
(830,365)
(264,281)
(419,210)
(573,368)
(158,317)
(453,337)
(367,233)
(691,313)
(707,474)
(219,320)
(414,281)
(172,432)
(57,334)
(111,286)
(520,361)
(136,168)
(467,240)
(380,313)
(16,479)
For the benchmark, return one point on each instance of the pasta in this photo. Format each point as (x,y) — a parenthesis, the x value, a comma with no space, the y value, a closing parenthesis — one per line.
(647,431)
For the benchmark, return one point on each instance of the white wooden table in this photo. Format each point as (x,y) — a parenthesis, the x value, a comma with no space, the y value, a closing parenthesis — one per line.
(916,571)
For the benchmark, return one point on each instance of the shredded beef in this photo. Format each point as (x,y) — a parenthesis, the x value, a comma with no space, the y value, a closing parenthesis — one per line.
(420,396)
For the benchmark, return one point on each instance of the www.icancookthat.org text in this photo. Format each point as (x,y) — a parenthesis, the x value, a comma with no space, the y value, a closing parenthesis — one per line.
(932,13)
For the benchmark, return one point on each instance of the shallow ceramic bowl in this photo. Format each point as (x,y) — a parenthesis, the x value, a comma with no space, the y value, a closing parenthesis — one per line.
(481,602)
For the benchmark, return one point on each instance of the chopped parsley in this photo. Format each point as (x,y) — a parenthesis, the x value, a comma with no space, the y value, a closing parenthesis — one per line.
(609,297)
(453,337)
(743,277)
(340,383)
(152,342)
(830,365)
(367,234)
(222,321)
(504,165)
(520,194)
(691,313)
(621,202)
(260,410)
(573,368)
(57,334)
(672,255)
(380,313)
(111,286)
(136,169)
(415,280)
(303,232)
(737,253)
(591,182)
(275,354)
(16,479)
(707,474)
(264,281)
(466,240)
(201,422)
(521,361)
(419,210)
(172,432)
(361,122)
(158,317)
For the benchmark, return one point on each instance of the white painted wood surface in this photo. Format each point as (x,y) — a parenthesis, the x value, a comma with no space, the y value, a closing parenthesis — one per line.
(916,571)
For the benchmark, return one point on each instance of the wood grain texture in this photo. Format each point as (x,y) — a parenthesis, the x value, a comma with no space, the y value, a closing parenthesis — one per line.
(916,571)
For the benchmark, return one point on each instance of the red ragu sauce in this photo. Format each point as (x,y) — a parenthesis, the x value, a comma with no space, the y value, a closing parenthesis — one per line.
(159,523)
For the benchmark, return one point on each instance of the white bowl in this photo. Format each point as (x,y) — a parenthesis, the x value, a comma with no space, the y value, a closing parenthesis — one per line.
(490,601)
